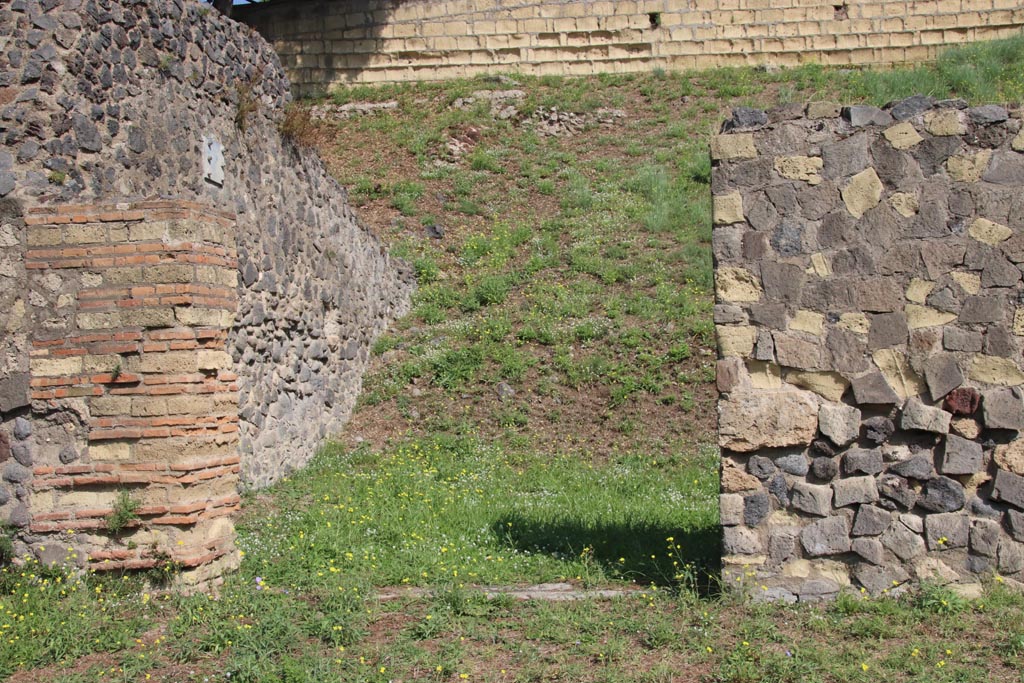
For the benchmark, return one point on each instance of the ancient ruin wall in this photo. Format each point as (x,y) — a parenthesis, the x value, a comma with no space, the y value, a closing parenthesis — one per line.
(870,327)
(106,105)
(328,43)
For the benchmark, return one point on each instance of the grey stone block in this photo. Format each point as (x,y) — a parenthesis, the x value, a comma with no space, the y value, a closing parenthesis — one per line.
(795,463)
(1015,524)
(917,415)
(943,375)
(862,461)
(878,429)
(887,329)
(824,468)
(862,115)
(911,106)
(959,339)
(839,422)
(878,580)
(829,536)
(811,498)
(902,542)
(14,392)
(873,389)
(1003,408)
(756,508)
(738,540)
(987,114)
(960,456)
(871,521)
(946,531)
(942,494)
(22,428)
(915,467)
(870,549)
(897,491)
(853,490)
(16,473)
(983,309)
(984,537)
(761,467)
(730,508)
(1009,488)
(1010,556)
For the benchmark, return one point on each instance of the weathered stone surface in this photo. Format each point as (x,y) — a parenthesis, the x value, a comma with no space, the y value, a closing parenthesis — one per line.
(862,115)
(745,118)
(801,168)
(783,282)
(887,329)
(944,122)
(1010,456)
(956,339)
(946,531)
(943,375)
(863,192)
(730,509)
(795,464)
(917,415)
(822,110)
(812,499)
(902,542)
(881,579)
(853,490)
(878,429)
(984,537)
(1015,524)
(829,536)
(735,480)
(1006,168)
(756,508)
(749,421)
(870,549)
(840,423)
(1003,408)
(962,401)
(916,467)
(829,385)
(910,107)
(902,136)
(871,521)
(965,427)
(761,467)
(942,494)
(960,456)
(782,543)
(873,389)
(988,231)
(733,284)
(994,370)
(926,316)
(825,468)
(16,473)
(735,341)
(862,461)
(778,487)
(968,169)
(897,491)
(727,209)
(987,114)
(1009,488)
(733,146)
(793,351)
(1010,556)
(738,540)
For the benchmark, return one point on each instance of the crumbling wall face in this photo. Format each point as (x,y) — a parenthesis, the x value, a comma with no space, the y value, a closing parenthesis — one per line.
(870,326)
(124,455)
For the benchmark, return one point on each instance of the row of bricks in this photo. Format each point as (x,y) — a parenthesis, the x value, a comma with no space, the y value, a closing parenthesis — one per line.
(101,522)
(162,289)
(108,348)
(132,478)
(139,260)
(228,304)
(146,380)
(100,423)
(87,213)
(190,466)
(150,563)
(161,432)
(143,511)
(171,249)
(134,335)
(217,543)
(96,391)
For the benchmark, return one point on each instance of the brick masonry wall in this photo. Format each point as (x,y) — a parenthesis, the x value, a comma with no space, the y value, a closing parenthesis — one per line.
(870,332)
(323,43)
(131,388)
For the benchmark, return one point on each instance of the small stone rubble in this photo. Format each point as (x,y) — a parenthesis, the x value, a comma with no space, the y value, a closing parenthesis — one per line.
(870,323)
(327,112)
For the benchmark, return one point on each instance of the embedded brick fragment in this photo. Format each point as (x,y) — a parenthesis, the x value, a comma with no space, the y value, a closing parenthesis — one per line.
(917,415)
(962,401)
(1003,408)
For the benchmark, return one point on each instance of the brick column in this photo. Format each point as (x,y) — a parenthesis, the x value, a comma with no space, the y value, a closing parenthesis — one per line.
(131,308)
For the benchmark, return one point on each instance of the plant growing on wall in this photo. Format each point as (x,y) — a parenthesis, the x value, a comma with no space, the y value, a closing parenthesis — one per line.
(125,511)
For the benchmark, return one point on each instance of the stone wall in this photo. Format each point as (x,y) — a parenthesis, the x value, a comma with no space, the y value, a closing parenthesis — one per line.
(366,41)
(870,327)
(111,104)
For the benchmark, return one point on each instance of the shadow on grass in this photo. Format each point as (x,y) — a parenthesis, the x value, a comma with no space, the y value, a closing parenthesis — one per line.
(640,552)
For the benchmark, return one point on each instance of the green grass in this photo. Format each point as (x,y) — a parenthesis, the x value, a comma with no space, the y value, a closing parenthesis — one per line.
(578,271)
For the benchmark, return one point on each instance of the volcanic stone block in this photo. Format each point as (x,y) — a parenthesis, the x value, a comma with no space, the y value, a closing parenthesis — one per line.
(984,537)
(1009,488)
(960,456)
(1006,168)
(853,490)
(878,429)
(1010,556)
(782,543)
(871,521)
(845,351)
(779,488)
(917,467)
(896,492)
(945,531)
(782,281)
(840,423)
(870,549)
(751,420)
(795,352)
(1000,342)
(811,498)
(862,461)
(957,339)
(873,389)
(829,536)
(910,107)
(943,375)
(824,468)
(1015,524)
(730,509)
(1003,408)
(917,415)
(962,401)
(861,115)
(887,329)
(761,467)
(902,542)
(739,540)
(756,508)
(878,580)
(795,463)
(1010,456)
(942,494)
